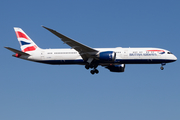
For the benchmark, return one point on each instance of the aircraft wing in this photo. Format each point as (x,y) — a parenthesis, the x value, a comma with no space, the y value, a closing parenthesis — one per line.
(16,51)
(85,51)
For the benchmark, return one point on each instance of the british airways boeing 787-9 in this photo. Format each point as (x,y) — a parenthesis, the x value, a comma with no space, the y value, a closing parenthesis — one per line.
(113,59)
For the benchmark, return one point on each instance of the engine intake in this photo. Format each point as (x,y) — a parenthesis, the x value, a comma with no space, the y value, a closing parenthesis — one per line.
(109,56)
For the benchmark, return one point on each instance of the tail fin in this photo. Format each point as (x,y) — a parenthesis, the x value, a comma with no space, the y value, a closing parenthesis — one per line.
(25,41)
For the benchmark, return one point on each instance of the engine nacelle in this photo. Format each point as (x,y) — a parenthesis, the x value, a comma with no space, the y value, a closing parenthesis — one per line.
(109,56)
(116,68)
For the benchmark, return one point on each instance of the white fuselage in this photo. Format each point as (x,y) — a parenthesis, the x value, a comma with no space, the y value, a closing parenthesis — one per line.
(123,56)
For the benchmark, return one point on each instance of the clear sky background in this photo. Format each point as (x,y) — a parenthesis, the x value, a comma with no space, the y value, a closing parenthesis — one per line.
(34,91)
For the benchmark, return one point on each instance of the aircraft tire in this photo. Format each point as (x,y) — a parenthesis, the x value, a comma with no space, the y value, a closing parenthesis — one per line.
(87,67)
(92,72)
(96,71)
(162,68)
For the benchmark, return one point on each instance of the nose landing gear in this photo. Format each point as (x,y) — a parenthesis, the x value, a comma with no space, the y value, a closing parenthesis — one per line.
(162,64)
(162,68)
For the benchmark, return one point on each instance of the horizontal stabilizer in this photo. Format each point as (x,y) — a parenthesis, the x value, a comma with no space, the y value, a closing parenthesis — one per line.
(16,51)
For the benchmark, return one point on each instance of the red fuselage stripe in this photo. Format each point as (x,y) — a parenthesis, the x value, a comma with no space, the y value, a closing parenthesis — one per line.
(156,50)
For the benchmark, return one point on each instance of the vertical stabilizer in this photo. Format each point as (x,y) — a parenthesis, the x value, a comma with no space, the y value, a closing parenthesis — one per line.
(25,41)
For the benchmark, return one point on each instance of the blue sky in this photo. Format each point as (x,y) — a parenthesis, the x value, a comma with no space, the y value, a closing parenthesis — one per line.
(36,91)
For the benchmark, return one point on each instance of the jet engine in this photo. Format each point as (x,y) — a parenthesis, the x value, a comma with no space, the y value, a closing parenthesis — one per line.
(116,68)
(108,56)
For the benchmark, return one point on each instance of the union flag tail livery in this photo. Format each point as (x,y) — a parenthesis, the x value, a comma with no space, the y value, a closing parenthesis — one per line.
(113,59)
(25,41)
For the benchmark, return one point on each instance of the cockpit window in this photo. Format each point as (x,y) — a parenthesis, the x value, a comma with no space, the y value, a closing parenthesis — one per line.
(169,53)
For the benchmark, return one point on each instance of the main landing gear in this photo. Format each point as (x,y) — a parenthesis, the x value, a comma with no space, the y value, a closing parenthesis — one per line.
(94,68)
(94,71)
(162,64)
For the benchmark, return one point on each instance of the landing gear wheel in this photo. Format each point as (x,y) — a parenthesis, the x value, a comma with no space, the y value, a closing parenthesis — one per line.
(92,72)
(96,71)
(93,67)
(162,64)
(162,68)
(87,67)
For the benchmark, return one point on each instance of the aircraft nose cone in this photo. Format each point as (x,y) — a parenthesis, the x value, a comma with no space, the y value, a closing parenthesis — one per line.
(175,58)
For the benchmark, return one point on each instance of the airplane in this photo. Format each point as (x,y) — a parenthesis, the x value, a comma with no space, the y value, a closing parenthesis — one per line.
(113,59)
